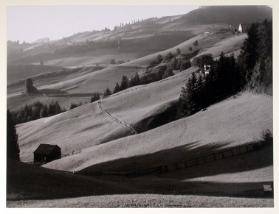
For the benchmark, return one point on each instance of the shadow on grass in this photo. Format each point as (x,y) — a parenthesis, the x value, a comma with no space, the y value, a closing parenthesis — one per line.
(150,163)
(26,181)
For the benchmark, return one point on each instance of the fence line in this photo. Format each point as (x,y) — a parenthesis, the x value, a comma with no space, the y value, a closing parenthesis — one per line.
(197,161)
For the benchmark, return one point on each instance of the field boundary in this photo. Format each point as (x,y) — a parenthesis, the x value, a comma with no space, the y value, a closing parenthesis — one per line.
(116,119)
(196,161)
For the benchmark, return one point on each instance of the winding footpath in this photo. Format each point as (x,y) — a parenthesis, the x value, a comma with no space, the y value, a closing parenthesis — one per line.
(115,119)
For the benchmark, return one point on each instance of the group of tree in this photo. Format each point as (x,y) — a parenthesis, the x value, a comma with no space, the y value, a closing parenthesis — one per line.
(227,76)
(202,90)
(170,62)
(205,59)
(12,145)
(94,97)
(256,56)
(124,84)
(164,72)
(36,111)
(75,105)
(164,66)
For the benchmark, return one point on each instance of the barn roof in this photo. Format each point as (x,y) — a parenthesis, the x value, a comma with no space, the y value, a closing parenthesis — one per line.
(46,149)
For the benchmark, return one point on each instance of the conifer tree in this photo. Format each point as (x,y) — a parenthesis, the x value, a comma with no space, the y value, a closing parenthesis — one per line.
(116,88)
(107,92)
(12,145)
(124,82)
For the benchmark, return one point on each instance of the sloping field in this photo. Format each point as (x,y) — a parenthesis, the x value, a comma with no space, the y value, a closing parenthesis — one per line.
(100,80)
(137,103)
(73,131)
(20,72)
(232,122)
(42,77)
(89,125)
(227,46)
(88,80)
(206,40)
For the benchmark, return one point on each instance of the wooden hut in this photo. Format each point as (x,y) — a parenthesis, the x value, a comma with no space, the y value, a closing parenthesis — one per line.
(46,153)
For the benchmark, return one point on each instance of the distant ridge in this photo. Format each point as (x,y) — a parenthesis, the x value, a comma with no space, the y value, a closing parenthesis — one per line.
(228,14)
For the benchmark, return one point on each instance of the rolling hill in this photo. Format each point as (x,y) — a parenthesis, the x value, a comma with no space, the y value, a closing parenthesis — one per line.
(134,130)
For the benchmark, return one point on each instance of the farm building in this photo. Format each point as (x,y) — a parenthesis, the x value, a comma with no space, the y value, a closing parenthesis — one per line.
(46,153)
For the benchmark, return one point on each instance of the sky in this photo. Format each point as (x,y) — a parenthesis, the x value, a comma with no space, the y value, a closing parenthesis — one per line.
(29,23)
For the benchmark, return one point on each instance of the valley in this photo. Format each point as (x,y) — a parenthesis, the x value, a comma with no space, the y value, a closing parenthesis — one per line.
(130,148)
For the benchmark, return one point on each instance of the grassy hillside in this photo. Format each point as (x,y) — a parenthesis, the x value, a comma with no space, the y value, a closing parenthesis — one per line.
(229,123)
(21,72)
(88,125)
(88,80)
(42,75)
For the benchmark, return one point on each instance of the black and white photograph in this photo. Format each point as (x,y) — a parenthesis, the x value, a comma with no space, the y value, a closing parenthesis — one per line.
(139,106)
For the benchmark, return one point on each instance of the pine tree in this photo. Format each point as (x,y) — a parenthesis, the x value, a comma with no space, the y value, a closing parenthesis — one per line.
(135,80)
(159,59)
(116,88)
(57,108)
(107,92)
(96,96)
(178,51)
(12,145)
(199,93)
(124,82)
(250,50)
(187,105)
(196,43)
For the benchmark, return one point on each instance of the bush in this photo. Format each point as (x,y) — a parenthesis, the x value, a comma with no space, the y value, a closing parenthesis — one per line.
(157,61)
(107,92)
(168,57)
(184,65)
(205,59)
(95,97)
(178,51)
(74,105)
(267,136)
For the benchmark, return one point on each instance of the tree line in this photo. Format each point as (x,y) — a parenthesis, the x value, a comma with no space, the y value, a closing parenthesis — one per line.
(35,111)
(170,62)
(202,90)
(227,76)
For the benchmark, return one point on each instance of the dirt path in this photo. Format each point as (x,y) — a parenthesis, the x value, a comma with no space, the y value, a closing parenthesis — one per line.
(116,119)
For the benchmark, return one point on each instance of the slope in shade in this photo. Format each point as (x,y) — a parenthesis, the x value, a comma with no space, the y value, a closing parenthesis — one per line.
(236,120)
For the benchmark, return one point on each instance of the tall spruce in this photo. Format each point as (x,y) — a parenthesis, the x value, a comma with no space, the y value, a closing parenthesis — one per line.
(12,144)
(124,82)
(116,88)
(107,92)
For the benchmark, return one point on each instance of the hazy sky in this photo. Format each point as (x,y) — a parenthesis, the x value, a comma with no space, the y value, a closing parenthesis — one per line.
(29,23)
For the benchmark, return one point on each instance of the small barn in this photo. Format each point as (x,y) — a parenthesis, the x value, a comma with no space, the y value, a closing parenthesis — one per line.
(46,153)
